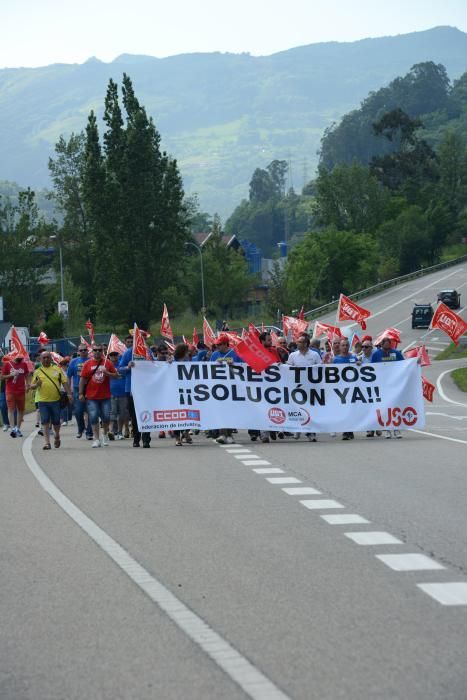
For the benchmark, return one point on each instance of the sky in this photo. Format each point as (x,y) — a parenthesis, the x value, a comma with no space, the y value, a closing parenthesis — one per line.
(40,32)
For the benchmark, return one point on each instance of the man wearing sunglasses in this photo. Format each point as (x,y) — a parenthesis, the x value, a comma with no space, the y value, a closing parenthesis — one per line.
(94,385)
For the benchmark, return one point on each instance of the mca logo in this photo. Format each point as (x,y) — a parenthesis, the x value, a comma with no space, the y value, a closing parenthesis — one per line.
(397,416)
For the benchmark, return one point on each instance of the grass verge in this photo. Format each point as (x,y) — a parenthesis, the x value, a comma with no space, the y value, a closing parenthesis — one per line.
(460,378)
(452,352)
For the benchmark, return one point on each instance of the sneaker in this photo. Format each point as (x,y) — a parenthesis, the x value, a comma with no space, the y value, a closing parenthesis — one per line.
(135,443)
(96,443)
(111,435)
(13,432)
(379,433)
(273,435)
(79,435)
(280,436)
(264,438)
(7,427)
(126,436)
(398,434)
(89,437)
(311,437)
(221,440)
(19,433)
(65,423)
(370,433)
(119,436)
(105,440)
(296,436)
(36,425)
(229,439)
(40,432)
(388,435)
(146,444)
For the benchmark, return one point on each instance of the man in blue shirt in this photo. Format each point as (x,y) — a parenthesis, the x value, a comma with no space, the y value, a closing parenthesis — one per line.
(124,367)
(345,357)
(225,355)
(79,407)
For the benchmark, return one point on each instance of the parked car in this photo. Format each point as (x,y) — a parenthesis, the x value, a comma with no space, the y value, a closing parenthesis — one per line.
(422,315)
(450,297)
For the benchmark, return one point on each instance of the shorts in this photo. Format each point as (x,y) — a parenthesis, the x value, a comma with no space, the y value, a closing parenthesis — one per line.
(15,402)
(98,408)
(119,408)
(49,412)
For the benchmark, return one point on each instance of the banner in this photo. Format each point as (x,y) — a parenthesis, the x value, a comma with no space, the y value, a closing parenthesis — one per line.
(348,310)
(321,398)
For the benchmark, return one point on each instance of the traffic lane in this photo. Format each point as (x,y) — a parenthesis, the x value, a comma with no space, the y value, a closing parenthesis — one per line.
(308,607)
(415,488)
(72,625)
(447,415)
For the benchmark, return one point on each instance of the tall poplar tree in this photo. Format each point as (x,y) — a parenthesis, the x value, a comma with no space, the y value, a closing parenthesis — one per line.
(134,198)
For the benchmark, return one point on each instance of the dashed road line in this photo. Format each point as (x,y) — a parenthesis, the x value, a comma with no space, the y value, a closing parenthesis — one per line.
(271,470)
(247,456)
(302,491)
(283,480)
(409,562)
(255,462)
(345,519)
(321,504)
(449,593)
(372,538)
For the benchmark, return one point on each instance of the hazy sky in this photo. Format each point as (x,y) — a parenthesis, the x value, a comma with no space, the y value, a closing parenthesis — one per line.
(39,32)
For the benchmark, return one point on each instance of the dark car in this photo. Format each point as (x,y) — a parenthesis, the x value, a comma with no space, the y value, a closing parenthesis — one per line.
(450,297)
(422,315)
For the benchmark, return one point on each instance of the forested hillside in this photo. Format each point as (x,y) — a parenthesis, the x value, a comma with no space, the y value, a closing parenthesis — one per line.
(221,115)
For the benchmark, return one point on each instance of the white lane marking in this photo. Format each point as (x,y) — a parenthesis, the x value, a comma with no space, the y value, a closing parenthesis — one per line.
(271,470)
(450,593)
(250,679)
(409,562)
(446,415)
(441,391)
(345,519)
(247,456)
(237,450)
(372,538)
(302,491)
(440,437)
(255,462)
(321,503)
(283,480)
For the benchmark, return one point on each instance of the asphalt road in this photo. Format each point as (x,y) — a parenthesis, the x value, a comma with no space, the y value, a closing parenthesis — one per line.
(225,584)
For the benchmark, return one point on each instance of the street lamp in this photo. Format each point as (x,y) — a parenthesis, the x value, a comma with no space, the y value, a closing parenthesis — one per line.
(198,248)
(62,294)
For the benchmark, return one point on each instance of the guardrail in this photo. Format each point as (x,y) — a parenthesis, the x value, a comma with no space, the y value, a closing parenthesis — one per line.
(319,310)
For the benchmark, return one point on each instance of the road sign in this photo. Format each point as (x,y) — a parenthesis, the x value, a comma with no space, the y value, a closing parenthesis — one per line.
(63,308)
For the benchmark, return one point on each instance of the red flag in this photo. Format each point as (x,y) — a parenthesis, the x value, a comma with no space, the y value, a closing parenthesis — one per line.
(293,325)
(419,352)
(90,328)
(42,338)
(428,389)
(252,329)
(170,346)
(166,331)
(140,349)
(326,329)
(115,345)
(56,357)
(355,340)
(254,353)
(393,333)
(348,310)
(17,348)
(449,322)
(85,342)
(274,338)
(301,314)
(233,337)
(208,334)
(195,338)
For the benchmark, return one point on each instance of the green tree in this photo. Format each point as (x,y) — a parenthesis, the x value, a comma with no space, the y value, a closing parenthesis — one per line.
(134,199)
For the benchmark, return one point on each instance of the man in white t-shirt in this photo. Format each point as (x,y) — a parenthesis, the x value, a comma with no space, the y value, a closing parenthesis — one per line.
(304,357)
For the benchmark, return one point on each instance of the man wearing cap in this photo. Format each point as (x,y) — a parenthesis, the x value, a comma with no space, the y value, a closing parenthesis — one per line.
(15,373)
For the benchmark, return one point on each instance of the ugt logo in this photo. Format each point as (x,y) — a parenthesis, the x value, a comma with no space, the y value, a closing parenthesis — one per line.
(396,416)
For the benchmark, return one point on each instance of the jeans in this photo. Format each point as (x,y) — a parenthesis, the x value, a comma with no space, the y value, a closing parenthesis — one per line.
(50,412)
(98,408)
(136,434)
(3,409)
(79,409)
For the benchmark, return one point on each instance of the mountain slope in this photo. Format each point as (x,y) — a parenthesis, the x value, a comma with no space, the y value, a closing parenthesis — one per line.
(221,115)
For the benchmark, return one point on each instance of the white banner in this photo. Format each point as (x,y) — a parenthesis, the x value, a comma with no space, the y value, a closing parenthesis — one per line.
(318,399)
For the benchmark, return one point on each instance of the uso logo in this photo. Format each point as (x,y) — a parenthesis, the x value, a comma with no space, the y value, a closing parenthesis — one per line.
(276,416)
(396,416)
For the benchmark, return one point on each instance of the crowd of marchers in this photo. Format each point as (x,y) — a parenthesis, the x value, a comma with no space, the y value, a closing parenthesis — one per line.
(97,390)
